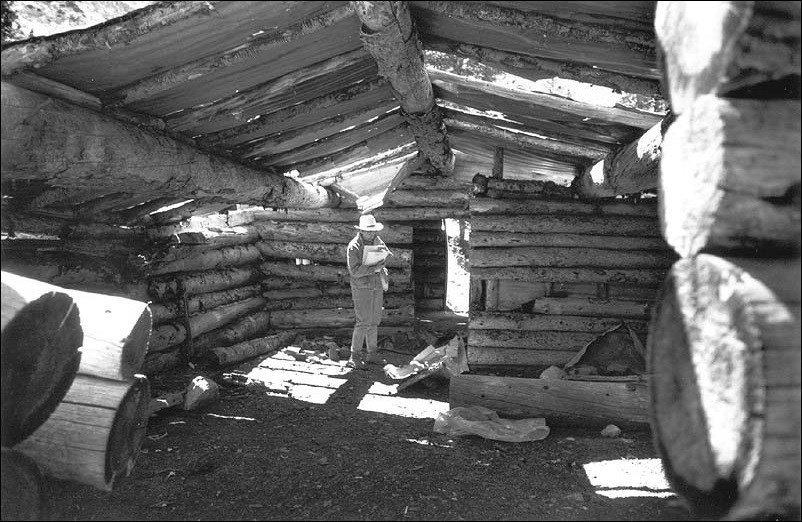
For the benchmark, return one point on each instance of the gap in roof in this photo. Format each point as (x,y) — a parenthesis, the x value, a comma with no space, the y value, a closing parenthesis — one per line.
(571,89)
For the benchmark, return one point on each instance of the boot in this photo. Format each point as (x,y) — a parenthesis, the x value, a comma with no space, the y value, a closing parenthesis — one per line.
(356,361)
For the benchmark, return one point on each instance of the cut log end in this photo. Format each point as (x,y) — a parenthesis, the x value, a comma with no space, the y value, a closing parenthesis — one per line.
(128,431)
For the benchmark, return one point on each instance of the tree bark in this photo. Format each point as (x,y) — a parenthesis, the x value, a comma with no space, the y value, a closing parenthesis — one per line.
(631,169)
(389,35)
(249,327)
(543,205)
(724,356)
(531,340)
(189,259)
(481,239)
(428,198)
(34,124)
(730,177)
(324,252)
(41,337)
(306,232)
(94,435)
(399,278)
(729,48)
(337,317)
(538,322)
(561,402)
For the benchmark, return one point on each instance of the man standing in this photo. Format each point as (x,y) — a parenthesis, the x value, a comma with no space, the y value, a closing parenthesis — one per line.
(368,282)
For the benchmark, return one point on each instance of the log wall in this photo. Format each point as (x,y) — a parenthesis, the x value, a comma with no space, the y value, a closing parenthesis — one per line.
(551,274)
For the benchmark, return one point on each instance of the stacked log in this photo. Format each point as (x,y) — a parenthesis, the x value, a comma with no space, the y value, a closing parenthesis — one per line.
(723,347)
(92,428)
(554,273)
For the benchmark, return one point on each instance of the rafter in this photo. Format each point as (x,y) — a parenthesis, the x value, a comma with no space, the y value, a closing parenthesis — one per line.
(390,37)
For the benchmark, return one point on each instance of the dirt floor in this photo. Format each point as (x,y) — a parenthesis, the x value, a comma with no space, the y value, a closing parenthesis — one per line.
(343,448)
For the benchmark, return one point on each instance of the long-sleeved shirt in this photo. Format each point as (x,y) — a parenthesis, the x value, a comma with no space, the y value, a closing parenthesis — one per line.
(362,276)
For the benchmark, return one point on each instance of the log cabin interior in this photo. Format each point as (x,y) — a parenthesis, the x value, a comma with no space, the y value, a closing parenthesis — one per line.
(195,169)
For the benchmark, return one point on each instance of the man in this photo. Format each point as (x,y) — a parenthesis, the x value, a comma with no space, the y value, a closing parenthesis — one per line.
(368,282)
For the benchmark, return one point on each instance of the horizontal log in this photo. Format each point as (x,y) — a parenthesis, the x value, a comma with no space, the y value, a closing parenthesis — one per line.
(251,326)
(399,278)
(725,159)
(334,318)
(248,349)
(159,362)
(481,239)
(419,213)
(324,252)
(639,276)
(301,231)
(568,257)
(172,334)
(428,198)
(536,205)
(188,259)
(552,322)
(167,287)
(531,340)
(559,401)
(94,435)
(172,309)
(591,306)
(569,224)
(185,172)
(419,182)
(728,48)
(479,357)
(629,170)
(394,300)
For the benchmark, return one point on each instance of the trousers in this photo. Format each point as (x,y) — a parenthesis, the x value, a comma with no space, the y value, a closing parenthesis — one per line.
(368,304)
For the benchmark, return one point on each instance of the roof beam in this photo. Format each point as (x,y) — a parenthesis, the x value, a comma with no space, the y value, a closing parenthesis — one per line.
(97,151)
(628,170)
(535,68)
(157,83)
(389,35)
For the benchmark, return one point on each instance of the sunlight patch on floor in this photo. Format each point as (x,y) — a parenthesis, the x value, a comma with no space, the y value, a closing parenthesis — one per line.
(403,406)
(425,442)
(304,381)
(628,478)
(234,417)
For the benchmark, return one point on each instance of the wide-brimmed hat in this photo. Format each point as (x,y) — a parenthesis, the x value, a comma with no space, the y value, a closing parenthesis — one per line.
(368,223)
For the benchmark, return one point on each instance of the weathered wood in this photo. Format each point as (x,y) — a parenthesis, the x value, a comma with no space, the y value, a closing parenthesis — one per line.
(531,340)
(730,176)
(550,148)
(631,169)
(34,124)
(202,282)
(338,317)
(482,239)
(559,401)
(324,252)
(165,80)
(246,350)
(172,334)
(607,47)
(394,300)
(568,257)
(309,232)
(522,188)
(175,309)
(189,259)
(196,207)
(94,435)
(427,198)
(591,306)
(399,278)
(159,362)
(41,337)
(480,357)
(531,322)
(535,68)
(24,489)
(389,35)
(251,326)
(724,356)
(614,115)
(640,276)
(729,47)
(570,224)
(538,205)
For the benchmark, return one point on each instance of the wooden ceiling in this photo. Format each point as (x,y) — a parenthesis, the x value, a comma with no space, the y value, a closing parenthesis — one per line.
(288,86)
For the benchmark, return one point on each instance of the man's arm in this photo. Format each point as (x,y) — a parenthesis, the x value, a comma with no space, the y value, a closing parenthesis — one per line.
(355,266)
